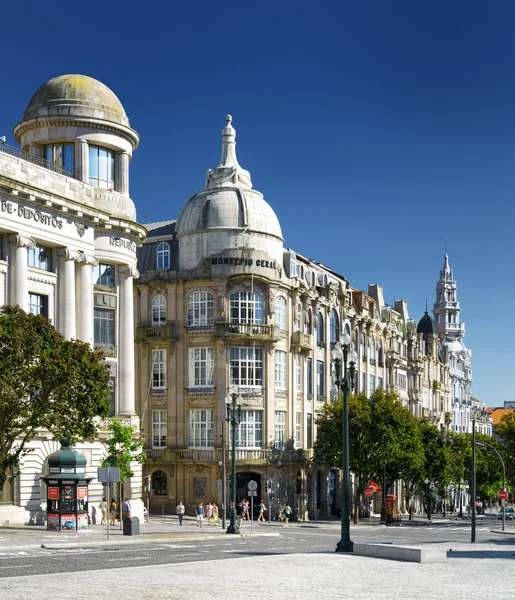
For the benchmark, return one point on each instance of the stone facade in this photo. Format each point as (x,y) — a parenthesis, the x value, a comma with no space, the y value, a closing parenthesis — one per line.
(221,302)
(68,239)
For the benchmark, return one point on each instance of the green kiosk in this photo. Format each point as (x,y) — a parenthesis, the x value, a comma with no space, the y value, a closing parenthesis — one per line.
(67,490)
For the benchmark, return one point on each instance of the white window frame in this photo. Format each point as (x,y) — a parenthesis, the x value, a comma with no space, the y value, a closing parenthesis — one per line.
(201,428)
(320,379)
(201,366)
(298,430)
(249,432)
(158,310)
(159,369)
(201,309)
(371,384)
(247,364)
(163,256)
(298,373)
(159,428)
(246,308)
(280,370)
(280,429)
(280,312)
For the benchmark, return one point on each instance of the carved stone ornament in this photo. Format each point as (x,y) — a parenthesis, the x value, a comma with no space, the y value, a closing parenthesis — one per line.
(20,241)
(158,287)
(67,254)
(221,305)
(88,259)
(81,229)
(220,344)
(200,402)
(128,271)
(159,400)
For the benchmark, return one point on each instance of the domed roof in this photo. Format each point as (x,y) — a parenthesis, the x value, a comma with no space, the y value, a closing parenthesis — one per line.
(76,95)
(228,200)
(425,325)
(67,457)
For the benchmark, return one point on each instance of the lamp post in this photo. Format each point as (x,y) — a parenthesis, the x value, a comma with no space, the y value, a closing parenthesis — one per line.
(342,353)
(473,483)
(234,402)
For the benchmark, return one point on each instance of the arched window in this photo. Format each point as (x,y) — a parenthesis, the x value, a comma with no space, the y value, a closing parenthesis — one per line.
(325,281)
(371,348)
(280,312)
(363,345)
(309,322)
(158,310)
(320,330)
(247,307)
(313,279)
(163,256)
(201,309)
(380,352)
(159,483)
(334,327)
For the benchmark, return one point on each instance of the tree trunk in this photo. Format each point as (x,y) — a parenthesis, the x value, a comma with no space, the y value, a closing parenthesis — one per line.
(3,479)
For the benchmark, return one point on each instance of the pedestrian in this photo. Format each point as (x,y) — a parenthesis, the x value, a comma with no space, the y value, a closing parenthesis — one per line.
(200,514)
(239,512)
(126,509)
(209,512)
(243,511)
(287,513)
(180,512)
(247,511)
(112,512)
(215,514)
(103,508)
(262,509)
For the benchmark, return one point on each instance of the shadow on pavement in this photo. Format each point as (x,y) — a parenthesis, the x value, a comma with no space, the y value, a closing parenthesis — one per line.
(480,554)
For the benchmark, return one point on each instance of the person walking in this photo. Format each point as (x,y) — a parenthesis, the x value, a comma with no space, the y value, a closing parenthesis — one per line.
(209,512)
(180,510)
(239,513)
(215,514)
(244,513)
(262,509)
(112,512)
(103,508)
(126,509)
(200,514)
(287,513)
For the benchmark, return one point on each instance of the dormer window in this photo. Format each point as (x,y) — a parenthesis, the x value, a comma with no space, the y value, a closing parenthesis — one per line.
(163,256)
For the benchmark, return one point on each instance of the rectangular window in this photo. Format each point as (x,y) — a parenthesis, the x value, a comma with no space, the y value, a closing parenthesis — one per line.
(363,389)
(298,373)
(201,362)
(61,155)
(280,429)
(201,429)
(103,275)
(320,380)
(249,432)
(309,430)
(309,376)
(380,383)
(371,384)
(40,258)
(298,430)
(246,307)
(38,304)
(112,397)
(159,369)
(101,167)
(159,429)
(104,327)
(246,366)
(280,370)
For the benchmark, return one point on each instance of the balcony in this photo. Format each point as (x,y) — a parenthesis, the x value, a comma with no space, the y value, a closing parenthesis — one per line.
(158,332)
(35,160)
(243,455)
(248,331)
(301,341)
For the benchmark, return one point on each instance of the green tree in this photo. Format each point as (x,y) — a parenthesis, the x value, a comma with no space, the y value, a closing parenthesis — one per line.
(506,433)
(46,382)
(435,473)
(123,449)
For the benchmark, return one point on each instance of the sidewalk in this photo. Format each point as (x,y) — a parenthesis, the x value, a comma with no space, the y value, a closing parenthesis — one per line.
(158,529)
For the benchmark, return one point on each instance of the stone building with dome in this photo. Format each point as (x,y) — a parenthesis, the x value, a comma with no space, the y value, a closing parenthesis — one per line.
(221,302)
(68,240)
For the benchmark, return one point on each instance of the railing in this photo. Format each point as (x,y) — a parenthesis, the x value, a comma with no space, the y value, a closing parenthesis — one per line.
(200,391)
(247,330)
(158,332)
(35,160)
(265,455)
(301,339)
(200,329)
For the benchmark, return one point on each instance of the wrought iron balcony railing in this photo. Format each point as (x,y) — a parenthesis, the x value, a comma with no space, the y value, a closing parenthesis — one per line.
(35,160)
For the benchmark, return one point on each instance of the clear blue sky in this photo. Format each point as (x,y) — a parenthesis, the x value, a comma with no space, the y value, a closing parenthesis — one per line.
(374,129)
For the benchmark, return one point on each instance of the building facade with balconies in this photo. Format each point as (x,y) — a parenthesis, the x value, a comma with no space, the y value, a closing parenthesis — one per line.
(68,239)
(221,302)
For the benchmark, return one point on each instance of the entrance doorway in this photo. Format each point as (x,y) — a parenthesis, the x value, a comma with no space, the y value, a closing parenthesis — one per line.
(242,492)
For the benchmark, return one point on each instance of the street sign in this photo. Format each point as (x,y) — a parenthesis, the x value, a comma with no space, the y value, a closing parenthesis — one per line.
(369,492)
(252,485)
(503,495)
(251,493)
(108,475)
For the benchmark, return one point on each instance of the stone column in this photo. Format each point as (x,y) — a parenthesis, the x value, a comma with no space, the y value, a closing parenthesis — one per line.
(18,272)
(121,173)
(82,160)
(85,299)
(66,302)
(126,342)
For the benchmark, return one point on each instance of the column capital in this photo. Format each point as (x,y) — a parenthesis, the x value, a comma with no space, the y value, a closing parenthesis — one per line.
(128,271)
(88,259)
(21,241)
(67,254)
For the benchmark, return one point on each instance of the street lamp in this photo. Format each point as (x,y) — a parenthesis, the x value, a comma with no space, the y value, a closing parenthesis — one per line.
(233,401)
(342,353)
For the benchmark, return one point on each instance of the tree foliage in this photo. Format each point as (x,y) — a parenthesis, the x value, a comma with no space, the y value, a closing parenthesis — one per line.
(123,449)
(46,382)
(506,433)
